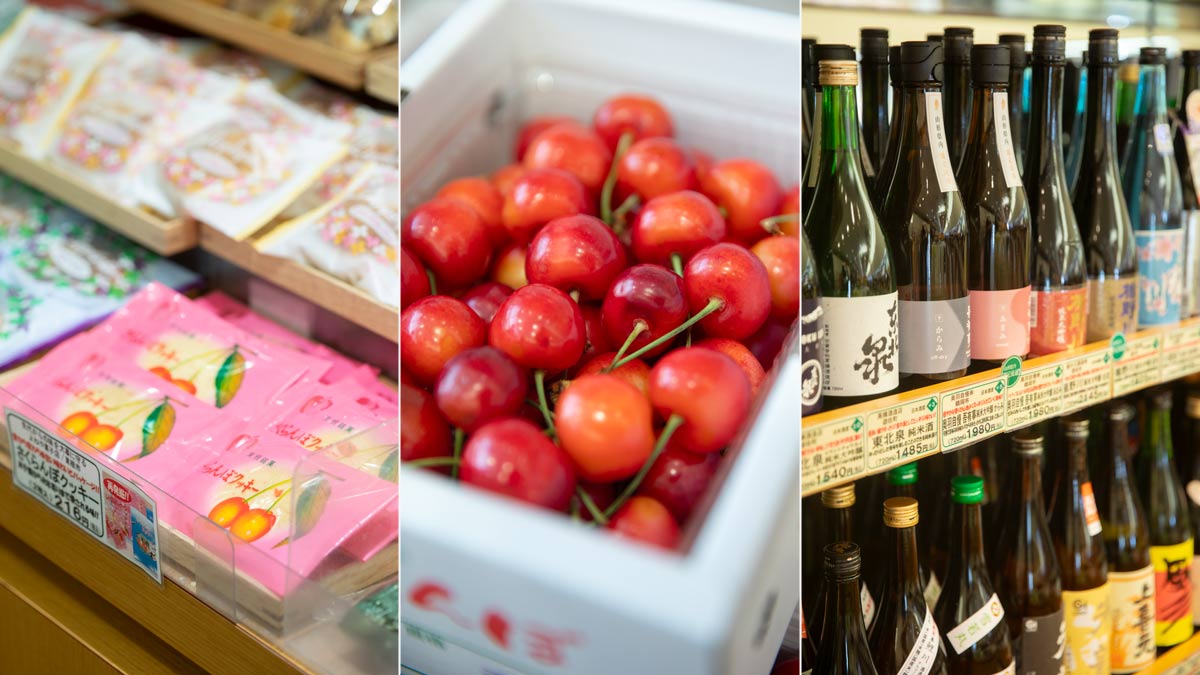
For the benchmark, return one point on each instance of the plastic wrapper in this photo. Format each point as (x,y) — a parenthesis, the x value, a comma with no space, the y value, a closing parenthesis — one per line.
(374,141)
(363,26)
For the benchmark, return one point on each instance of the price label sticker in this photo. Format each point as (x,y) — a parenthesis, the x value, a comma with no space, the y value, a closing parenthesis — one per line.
(1138,364)
(1087,380)
(105,505)
(902,433)
(832,451)
(1036,396)
(1181,351)
(972,413)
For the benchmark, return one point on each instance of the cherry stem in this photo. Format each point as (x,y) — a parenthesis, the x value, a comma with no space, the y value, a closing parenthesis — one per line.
(435,461)
(574,295)
(432,282)
(713,305)
(673,423)
(631,202)
(639,327)
(539,381)
(148,406)
(203,355)
(458,446)
(597,514)
(677,263)
(606,193)
(276,502)
(772,224)
(575,510)
(264,490)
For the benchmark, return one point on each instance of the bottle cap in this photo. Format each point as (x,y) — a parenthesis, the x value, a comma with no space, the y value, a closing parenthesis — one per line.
(934,37)
(1049,44)
(903,475)
(843,560)
(839,497)
(1191,57)
(900,512)
(808,70)
(873,45)
(966,489)
(1075,426)
(1013,38)
(957,44)
(1018,58)
(1120,411)
(1028,441)
(1159,398)
(990,64)
(1102,47)
(1152,56)
(1192,407)
(830,52)
(838,74)
(920,62)
(1128,72)
(894,66)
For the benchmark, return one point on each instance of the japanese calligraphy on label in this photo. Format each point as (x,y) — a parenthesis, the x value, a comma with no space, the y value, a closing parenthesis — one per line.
(935,124)
(1004,140)
(1138,366)
(1037,395)
(924,650)
(1132,597)
(868,604)
(1041,643)
(860,345)
(831,451)
(1112,307)
(1160,276)
(972,413)
(977,625)
(902,433)
(1090,513)
(1089,629)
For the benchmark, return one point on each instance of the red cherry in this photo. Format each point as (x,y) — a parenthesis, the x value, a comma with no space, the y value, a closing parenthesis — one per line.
(432,331)
(414,284)
(602,495)
(788,667)
(575,253)
(735,276)
(540,327)
(510,266)
(791,201)
(486,298)
(480,385)
(678,479)
(741,356)
(767,342)
(781,257)
(506,177)
(451,239)
(514,458)
(539,196)
(704,163)
(423,432)
(748,192)
(593,328)
(680,222)
(707,390)
(605,425)
(642,116)
(644,519)
(532,128)
(485,199)
(648,294)
(635,372)
(655,167)
(573,148)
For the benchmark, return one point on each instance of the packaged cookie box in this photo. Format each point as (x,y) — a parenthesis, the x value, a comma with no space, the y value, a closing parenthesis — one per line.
(492,586)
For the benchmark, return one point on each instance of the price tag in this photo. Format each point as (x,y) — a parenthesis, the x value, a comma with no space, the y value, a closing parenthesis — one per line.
(1037,395)
(902,433)
(103,504)
(1087,380)
(972,413)
(1137,364)
(831,452)
(1181,351)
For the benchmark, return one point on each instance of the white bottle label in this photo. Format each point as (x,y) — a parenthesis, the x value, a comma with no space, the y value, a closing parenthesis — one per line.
(868,605)
(864,359)
(1162,139)
(977,625)
(1008,154)
(1010,670)
(924,650)
(936,128)
(933,590)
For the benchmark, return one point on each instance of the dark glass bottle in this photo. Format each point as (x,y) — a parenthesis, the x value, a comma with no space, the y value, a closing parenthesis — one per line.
(891,155)
(1059,308)
(904,634)
(1192,488)
(812,162)
(902,482)
(808,653)
(1074,112)
(957,50)
(808,88)
(843,648)
(1154,194)
(812,524)
(1016,91)
(997,218)
(858,287)
(1099,202)
(838,507)
(925,224)
(1170,526)
(873,46)
(811,331)
(969,614)
(1187,138)
(1127,85)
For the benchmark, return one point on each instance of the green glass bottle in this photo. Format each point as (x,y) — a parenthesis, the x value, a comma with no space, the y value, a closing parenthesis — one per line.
(842,647)
(956,43)
(873,48)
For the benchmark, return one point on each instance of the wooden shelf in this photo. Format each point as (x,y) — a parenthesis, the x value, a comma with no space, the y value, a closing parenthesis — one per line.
(383,77)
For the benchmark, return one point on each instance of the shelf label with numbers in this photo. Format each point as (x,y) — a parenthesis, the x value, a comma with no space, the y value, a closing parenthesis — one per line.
(1036,396)
(1136,363)
(902,433)
(832,452)
(972,413)
(1087,380)
(103,504)
(1181,351)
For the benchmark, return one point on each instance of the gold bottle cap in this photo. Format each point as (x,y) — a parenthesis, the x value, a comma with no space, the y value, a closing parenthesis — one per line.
(1192,407)
(1120,410)
(1075,426)
(900,512)
(838,497)
(1128,72)
(838,73)
(1027,442)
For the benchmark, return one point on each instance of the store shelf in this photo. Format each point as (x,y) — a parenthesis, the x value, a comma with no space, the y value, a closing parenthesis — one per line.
(383,77)
(321,289)
(339,66)
(1182,660)
(166,237)
(844,445)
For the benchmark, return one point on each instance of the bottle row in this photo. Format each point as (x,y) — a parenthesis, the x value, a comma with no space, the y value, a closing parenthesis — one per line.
(952,231)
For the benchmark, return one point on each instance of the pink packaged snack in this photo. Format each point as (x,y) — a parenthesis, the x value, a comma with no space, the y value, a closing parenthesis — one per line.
(319,417)
(375,451)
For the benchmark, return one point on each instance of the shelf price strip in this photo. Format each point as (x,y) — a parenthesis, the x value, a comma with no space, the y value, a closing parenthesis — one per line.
(833,452)
(902,433)
(1087,380)
(973,413)
(1137,363)
(1181,352)
(1035,396)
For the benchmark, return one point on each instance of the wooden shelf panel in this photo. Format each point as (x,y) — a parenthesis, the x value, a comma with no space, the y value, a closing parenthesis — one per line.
(383,77)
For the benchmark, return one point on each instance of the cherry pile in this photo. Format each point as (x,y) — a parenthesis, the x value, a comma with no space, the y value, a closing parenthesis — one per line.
(586,329)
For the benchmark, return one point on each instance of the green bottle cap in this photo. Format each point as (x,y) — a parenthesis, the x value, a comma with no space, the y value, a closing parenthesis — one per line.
(903,475)
(966,489)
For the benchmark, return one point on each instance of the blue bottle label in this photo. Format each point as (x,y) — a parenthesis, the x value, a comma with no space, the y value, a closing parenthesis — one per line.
(1160,276)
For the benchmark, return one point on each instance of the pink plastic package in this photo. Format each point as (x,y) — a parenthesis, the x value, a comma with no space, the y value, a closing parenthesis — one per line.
(375,451)
(320,417)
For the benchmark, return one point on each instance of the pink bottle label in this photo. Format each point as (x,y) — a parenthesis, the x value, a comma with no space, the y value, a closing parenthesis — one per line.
(999,324)
(1058,320)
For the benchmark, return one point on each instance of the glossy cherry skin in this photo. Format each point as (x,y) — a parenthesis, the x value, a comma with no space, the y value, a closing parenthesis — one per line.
(606,425)
(509,268)
(539,327)
(414,283)
(573,148)
(678,479)
(703,162)
(741,356)
(593,328)
(635,372)
(485,199)
(646,520)
(680,222)
(532,128)
(788,667)
(736,276)
(514,458)
(433,331)
(647,293)
(748,192)
(767,342)
(451,239)
(505,178)
(575,253)
(791,201)
(654,167)
(539,196)
(708,390)
(479,385)
(642,116)
(780,255)
(423,431)
(486,298)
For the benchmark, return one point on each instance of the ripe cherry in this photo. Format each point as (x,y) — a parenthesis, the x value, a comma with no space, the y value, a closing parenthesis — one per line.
(414,283)
(432,331)
(79,422)
(641,116)
(655,167)
(485,199)
(767,342)
(646,295)
(532,128)
(791,201)
(539,196)
(737,278)
(703,162)
(479,385)
(486,298)
(605,425)
(509,268)
(707,390)
(451,239)
(424,434)
(635,371)
(748,192)
(594,333)
(228,510)
(646,520)
(514,458)
(540,327)
(741,356)
(575,253)
(679,223)
(678,479)
(781,257)
(506,177)
(573,148)
(253,524)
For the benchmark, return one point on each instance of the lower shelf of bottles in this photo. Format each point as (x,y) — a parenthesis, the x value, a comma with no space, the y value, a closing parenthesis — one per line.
(843,445)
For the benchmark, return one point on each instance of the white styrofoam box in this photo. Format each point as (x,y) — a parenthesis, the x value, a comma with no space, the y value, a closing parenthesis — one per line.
(494,586)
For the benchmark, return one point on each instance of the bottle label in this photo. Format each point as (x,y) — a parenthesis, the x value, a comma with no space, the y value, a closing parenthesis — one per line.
(1194,573)
(1057,320)
(937,335)
(939,147)
(1160,276)
(999,324)
(1043,643)
(1089,630)
(1172,593)
(812,330)
(1132,595)
(979,624)
(933,591)
(1112,307)
(924,650)
(1191,107)
(814,163)
(1004,139)
(1010,670)
(1090,513)
(1162,139)
(868,604)
(1191,259)
(863,360)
